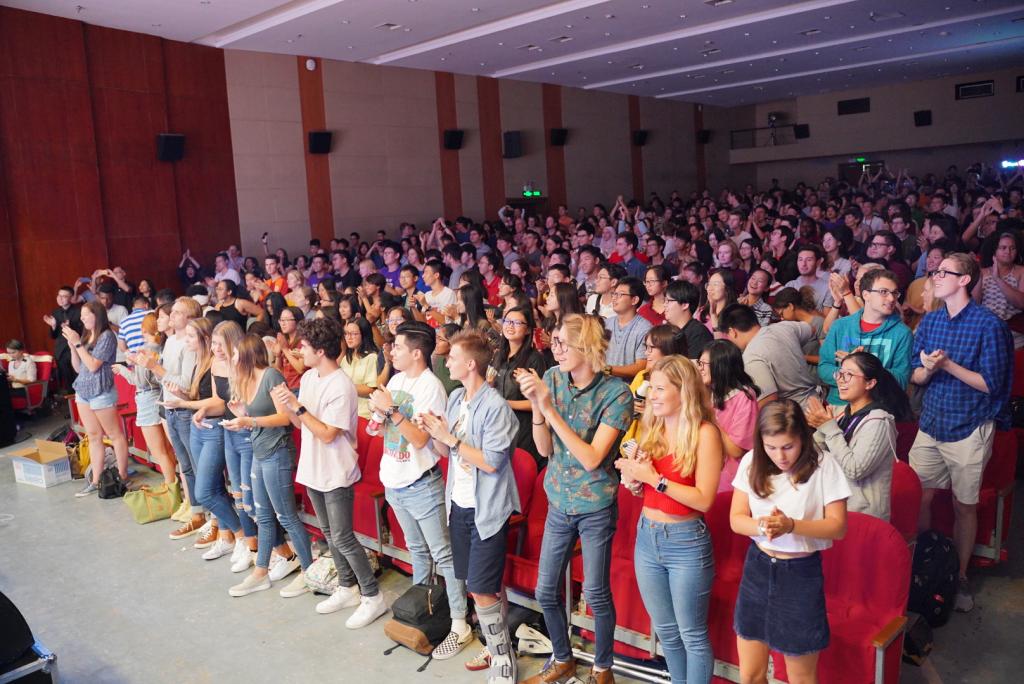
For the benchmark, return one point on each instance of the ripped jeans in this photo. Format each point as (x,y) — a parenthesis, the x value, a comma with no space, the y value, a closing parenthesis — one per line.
(273,493)
(238,456)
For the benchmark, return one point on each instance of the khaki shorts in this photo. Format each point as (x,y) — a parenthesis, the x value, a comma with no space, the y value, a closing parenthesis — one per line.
(954,465)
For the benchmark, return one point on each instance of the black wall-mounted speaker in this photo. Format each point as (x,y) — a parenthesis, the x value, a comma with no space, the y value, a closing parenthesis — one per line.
(453,139)
(802,131)
(513,144)
(703,136)
(559,136)
(170,146)
(923,117)
(640,137)
(320,142)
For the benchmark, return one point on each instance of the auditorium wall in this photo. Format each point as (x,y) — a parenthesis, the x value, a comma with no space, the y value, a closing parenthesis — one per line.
(80,184)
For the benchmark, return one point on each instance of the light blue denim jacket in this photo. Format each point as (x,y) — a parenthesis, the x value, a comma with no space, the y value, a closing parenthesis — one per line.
(492,429)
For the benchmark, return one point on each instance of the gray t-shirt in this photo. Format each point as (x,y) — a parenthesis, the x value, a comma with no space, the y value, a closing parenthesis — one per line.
(822,295)
(774,359)
(627,343)
(267,440)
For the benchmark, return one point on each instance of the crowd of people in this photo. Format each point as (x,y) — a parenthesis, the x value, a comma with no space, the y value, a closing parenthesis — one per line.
(764,342)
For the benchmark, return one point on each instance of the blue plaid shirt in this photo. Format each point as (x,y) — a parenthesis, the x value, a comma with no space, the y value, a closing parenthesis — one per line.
(979,341)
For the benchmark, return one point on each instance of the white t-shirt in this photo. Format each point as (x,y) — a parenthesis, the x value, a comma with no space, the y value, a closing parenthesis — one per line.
(464,484)
(801,502)
(332,399)
(402,463)
(227,274)
(446,297)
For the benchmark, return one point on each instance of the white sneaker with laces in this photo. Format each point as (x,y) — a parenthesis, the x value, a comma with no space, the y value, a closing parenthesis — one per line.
(236,553)
(370,608)
(343,597)
(245,561)
(281,567)
(297,587)
(219,548)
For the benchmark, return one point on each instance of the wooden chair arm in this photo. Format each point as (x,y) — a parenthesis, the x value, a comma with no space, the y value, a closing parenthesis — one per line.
(888,633)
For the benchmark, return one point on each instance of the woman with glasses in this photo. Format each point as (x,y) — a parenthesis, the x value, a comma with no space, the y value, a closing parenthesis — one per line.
(516,353)
(861,438)
(734,399)
(285,348)
(578,416)
(721,293)
(396,316)
(655,282)
(661,341)
(677,463)
(359,361)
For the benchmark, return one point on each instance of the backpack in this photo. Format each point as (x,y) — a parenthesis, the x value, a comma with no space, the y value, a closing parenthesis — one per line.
(934,580)
(420,620)
(918,641)
(111,484)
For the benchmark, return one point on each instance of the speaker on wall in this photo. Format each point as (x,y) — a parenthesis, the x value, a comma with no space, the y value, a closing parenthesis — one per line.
(170,146)
(923,117)
(559,136)
(453,139)
(802,131)
(639,137)
(513,144)
(703,136)
(320,142)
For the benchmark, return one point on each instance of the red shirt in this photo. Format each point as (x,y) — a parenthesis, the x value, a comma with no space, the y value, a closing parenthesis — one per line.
(869,327)
(492,291)
(648,312)
(663,502)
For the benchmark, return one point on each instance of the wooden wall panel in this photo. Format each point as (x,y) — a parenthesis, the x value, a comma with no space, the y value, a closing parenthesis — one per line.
(554,156)
(636,154)
(48,155)
(318,166)
(204,180)
(493,167)
(129,102)
(451,180)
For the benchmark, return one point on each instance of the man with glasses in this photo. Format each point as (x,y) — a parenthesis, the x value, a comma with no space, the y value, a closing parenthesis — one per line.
(626,355)
(600,302)
(681,301)
(962,356)
(877,328)
(885,245)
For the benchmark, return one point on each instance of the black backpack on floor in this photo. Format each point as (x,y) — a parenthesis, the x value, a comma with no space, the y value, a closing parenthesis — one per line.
(420,620)
(111,484)
(934,581)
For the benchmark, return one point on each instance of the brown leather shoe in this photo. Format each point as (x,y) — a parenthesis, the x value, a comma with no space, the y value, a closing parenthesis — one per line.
(191,527)
(602,677)
(207,536)
(554,673)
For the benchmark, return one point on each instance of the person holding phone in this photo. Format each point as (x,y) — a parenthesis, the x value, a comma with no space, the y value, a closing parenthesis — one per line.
(790,499)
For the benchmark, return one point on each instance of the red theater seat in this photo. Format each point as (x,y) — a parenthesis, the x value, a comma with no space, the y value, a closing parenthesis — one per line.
(730,550)
(35,392)
(906,500)
(521,567)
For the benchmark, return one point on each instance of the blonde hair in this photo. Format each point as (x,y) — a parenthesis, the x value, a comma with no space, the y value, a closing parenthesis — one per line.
(204,357)
(695,410)
(585,334)
(192,308)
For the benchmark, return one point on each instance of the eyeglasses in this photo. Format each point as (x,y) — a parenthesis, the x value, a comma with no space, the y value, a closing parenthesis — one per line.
(885,292)
(673,301)
(941,273)
(285,320)
(649,348)
(844,376)
(557,345)
(651,282)
(396,321)
(879,244)
(514,323)
(702,364)
(616,295)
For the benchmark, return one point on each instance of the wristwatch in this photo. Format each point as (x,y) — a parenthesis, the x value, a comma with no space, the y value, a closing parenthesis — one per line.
(662,484)
(78,345)
(301,410)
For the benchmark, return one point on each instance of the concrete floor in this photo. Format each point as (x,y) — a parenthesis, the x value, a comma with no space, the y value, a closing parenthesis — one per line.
(120,602)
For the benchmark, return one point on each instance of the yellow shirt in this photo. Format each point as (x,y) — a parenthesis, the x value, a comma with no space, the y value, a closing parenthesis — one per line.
(363,372)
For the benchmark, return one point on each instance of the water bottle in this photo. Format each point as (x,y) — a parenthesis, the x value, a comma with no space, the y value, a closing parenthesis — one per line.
(373,427)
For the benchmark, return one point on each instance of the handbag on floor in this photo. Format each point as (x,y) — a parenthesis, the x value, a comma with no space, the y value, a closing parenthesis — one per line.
(322,576)
(148,504)
(111,484)
(420,619)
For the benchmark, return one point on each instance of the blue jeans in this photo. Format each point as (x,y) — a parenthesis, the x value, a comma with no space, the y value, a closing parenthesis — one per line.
(238,458)
(273,492)
(421,513)
(207,447)
(179,428)
(674,569)
(595,531)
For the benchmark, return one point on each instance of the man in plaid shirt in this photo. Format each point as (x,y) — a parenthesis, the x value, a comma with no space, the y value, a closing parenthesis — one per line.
(963,357)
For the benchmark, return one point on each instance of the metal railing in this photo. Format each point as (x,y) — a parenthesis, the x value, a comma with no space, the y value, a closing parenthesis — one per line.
(744,138)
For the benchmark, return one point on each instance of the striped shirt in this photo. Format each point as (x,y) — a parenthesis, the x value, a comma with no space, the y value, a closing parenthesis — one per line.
(130,330)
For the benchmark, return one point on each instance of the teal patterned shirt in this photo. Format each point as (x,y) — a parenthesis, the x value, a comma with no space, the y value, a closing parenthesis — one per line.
(570,488)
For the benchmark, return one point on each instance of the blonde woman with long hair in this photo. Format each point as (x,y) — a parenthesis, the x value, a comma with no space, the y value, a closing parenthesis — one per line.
(678,461)
(273,468)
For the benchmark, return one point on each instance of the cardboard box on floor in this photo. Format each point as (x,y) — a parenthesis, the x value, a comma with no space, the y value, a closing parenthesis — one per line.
(44,465)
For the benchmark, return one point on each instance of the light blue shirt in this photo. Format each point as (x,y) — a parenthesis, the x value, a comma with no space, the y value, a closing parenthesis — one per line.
(492,429)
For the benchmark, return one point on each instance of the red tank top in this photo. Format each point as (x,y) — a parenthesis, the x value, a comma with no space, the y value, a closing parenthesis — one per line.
(663,502)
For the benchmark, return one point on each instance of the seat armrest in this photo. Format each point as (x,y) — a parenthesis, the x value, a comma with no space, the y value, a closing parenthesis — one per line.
(888,634)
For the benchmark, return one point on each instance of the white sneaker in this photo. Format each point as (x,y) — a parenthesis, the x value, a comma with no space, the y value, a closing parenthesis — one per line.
(370,608)
(281,567)
(297,587)
(219,548)
(236,553)
(250,585)
(343,597)
(245,561)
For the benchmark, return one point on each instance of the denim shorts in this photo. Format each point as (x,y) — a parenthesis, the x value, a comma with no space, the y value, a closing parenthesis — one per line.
(147,413)
(103,401)
(481,562)
(782,603)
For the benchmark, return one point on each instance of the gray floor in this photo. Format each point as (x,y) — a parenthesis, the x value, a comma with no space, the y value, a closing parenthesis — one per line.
(120,602)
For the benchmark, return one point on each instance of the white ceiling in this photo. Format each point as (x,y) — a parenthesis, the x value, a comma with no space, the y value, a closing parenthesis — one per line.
(719,52)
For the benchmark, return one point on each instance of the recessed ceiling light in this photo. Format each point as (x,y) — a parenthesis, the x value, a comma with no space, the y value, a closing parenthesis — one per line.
(611,61)
(568,26)
(344,21)
(442,59)
(500,44)
(943,33)
(350,47)
(483,63)
(676,47)
(682,16)
(775,42)
(717,3)
(827,17)
(636,67)
(609,16)
(406,30)
(474,9)
(810,32)
(156,25)
(746,33)
(607,35)
(559,39)
(645,7)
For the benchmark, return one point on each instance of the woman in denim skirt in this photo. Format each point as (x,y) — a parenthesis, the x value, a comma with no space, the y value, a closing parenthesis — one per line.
(791,500)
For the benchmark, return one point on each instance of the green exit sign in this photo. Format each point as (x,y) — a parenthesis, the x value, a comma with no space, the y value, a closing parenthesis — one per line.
(531,193)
